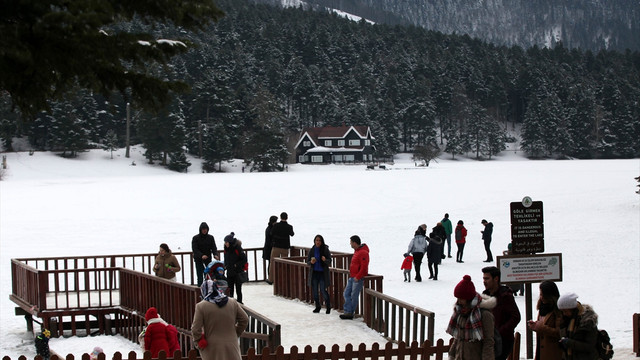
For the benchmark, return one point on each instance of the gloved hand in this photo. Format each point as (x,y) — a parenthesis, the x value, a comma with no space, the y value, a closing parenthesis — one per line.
(564,343)
(202,343)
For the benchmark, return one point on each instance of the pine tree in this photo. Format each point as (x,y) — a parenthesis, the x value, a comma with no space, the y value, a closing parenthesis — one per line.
(110,142)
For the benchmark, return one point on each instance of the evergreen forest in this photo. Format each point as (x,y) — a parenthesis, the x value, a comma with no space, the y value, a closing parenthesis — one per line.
(262,73)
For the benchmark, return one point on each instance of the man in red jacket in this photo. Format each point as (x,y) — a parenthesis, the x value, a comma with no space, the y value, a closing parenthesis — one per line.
(357,271)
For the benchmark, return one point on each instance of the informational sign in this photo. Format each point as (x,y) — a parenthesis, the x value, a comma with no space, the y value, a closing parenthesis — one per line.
(530,268)
(527,228)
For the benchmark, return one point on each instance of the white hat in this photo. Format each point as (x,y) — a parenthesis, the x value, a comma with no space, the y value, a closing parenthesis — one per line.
(568,301)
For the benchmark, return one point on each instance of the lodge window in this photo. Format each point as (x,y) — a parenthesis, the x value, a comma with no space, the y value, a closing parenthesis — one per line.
(306,143)
(340,142)
(354,142)
(367,142)
(316,158)
(327,143)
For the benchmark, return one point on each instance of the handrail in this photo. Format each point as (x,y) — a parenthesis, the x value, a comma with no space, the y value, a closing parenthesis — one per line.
(396,319)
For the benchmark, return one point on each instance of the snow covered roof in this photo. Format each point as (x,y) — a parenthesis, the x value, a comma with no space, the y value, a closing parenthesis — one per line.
(333,132)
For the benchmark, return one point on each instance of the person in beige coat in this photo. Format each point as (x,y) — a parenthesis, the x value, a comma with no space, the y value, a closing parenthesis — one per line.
(218,322)
(472,324)
(167,264)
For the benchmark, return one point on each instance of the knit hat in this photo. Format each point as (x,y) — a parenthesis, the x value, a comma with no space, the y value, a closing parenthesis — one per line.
(568,301)
(465,289)
(230,238)
(151,314)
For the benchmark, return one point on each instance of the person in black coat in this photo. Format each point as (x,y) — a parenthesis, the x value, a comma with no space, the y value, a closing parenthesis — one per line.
(268,242)
(204,250)
(441,233)
(319,261)
(235,260)
(486,236)
(435,250)
(281,233)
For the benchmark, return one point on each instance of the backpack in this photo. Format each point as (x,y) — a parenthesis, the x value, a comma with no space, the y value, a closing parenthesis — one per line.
(603,345)
(458,233)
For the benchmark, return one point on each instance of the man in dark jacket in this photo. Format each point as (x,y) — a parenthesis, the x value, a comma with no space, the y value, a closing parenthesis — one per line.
(486,236)
(506,312)
(281,237)
(204,249)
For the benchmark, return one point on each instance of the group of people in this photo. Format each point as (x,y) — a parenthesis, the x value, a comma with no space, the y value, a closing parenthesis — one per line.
(433,246)
(205,255)
(483,325)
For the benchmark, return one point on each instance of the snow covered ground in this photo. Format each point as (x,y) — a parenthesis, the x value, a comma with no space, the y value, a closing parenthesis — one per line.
(50,206)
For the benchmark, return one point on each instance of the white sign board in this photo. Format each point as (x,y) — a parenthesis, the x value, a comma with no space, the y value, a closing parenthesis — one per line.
(530,268)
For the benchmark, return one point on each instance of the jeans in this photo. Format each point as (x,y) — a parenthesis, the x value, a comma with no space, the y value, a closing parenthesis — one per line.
(448,244)
(351,294)
(317,282)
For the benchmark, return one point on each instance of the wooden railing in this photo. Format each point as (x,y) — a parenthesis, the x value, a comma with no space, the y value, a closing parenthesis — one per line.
(390,351)
(292,275)
(67,297)
(397,320)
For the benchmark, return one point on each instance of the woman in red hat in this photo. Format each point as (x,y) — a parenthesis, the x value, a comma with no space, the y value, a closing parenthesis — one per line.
(472,324)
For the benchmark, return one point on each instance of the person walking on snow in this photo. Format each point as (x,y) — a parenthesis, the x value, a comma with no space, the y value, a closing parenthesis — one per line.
(406,267)
(417,248)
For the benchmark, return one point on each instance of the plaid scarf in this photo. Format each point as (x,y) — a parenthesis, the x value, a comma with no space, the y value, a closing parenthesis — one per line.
(466,327)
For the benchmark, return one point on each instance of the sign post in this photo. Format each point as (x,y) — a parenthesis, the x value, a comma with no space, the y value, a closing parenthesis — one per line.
(524,264)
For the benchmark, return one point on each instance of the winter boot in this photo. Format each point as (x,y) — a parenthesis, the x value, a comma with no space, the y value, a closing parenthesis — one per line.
(317,309)
(328,308)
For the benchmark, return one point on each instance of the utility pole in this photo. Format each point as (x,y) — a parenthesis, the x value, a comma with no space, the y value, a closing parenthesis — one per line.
(128,122)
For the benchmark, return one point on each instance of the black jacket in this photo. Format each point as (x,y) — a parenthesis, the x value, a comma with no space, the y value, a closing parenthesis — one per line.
(234,259)
(203,245)
(488,230)
(268,243)
(280,234)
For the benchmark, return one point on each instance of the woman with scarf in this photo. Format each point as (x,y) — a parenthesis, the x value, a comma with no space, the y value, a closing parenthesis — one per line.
(218,323)
(472,324)
(319,261)
(547,327)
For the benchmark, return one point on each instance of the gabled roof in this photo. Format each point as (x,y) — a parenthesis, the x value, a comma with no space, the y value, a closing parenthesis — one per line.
(332,132)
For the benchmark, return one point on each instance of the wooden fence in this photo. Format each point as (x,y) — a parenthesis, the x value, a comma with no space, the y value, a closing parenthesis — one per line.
(69,298)
(390,351)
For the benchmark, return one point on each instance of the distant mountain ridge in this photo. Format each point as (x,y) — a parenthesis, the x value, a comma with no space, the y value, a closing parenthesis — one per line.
(586,24)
